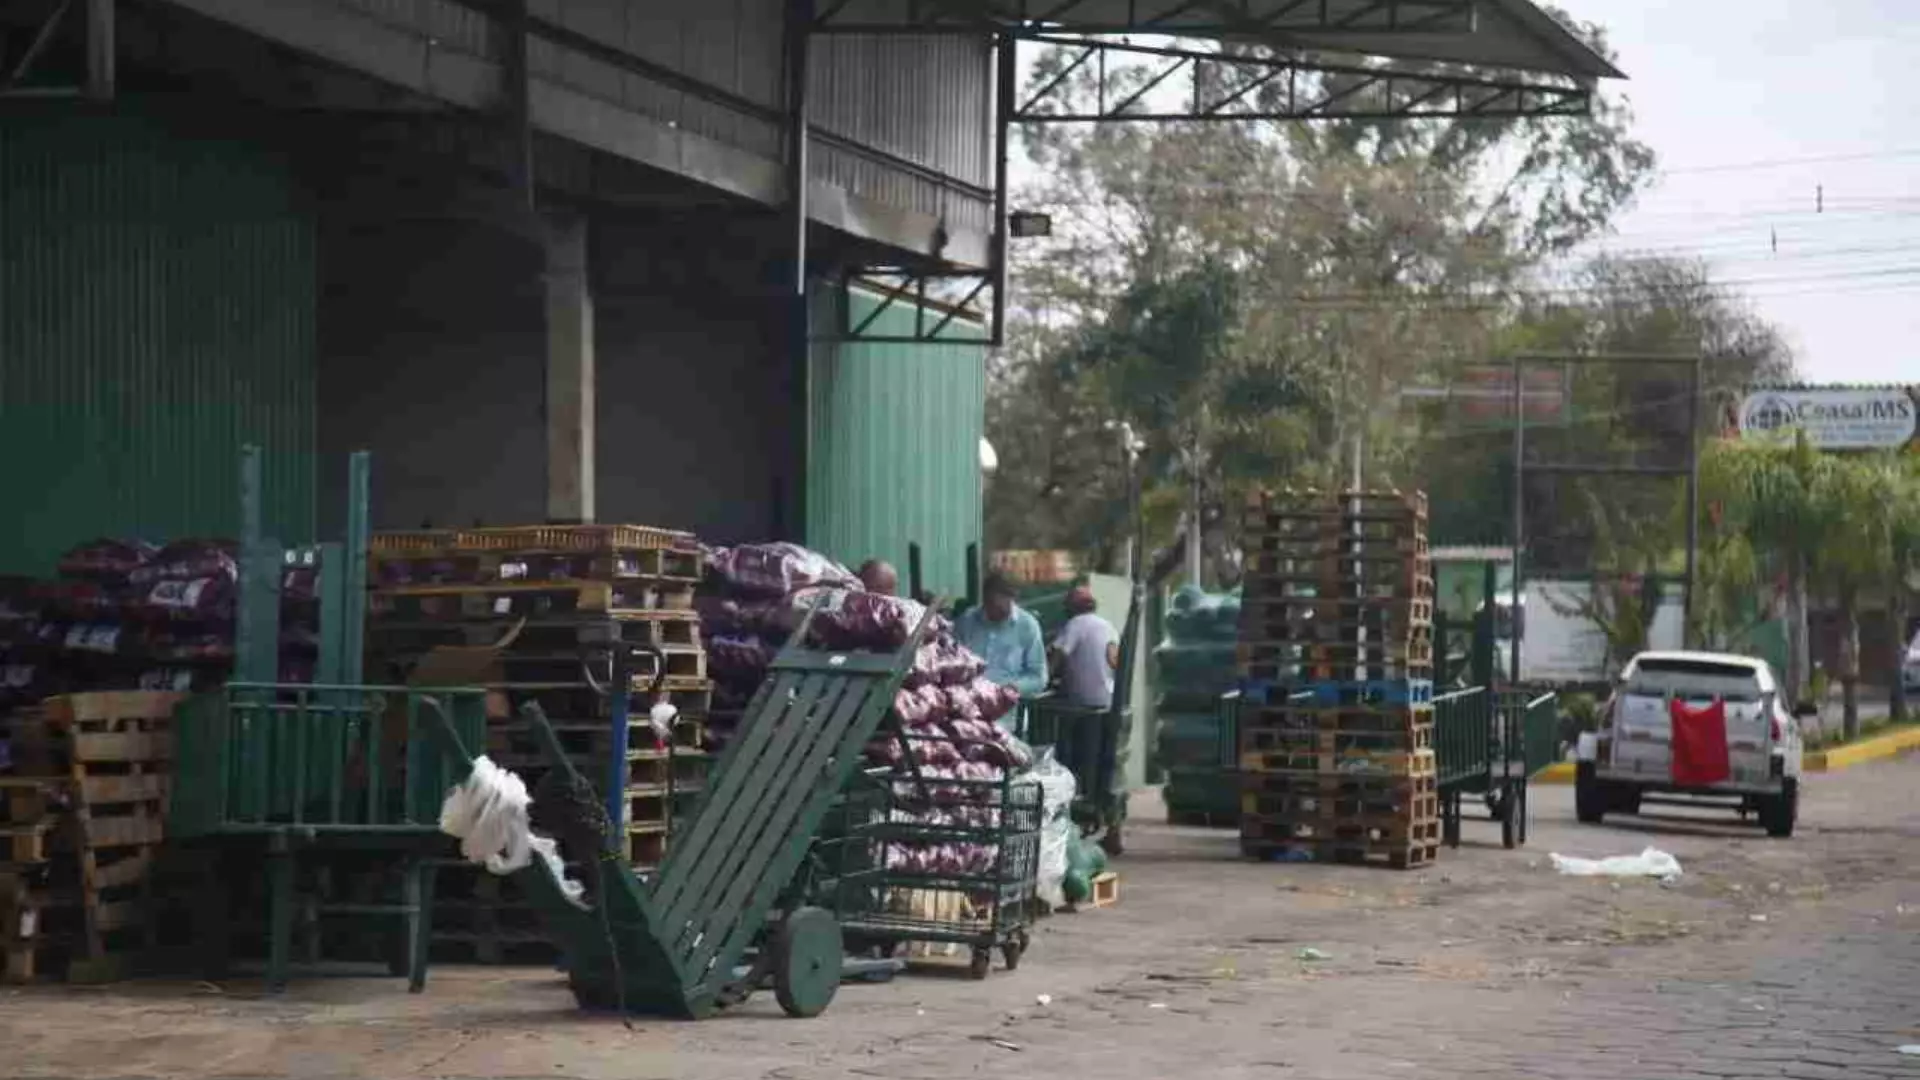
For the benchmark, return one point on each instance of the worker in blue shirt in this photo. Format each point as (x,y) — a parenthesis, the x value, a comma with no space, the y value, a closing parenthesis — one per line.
(1006,636)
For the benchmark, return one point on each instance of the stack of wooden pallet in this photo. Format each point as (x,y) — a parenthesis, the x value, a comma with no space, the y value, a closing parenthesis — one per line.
(85,812)
(560,598)
(1336,664)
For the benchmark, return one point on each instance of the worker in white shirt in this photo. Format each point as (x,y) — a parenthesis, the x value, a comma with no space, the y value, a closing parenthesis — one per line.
(1088,652)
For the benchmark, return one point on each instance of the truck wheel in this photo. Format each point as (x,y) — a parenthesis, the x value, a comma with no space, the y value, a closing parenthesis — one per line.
(1782,811)
(1589,799)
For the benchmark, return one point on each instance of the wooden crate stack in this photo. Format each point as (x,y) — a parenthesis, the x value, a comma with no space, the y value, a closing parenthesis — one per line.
(577,588)
(1336,665)
(85,814)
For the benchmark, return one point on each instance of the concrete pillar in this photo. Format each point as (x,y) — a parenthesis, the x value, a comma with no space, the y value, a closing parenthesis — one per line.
(570,371)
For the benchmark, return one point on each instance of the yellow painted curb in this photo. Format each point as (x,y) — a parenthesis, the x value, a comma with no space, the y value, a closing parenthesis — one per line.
(1874,749)
(1560,772)
(1879,747)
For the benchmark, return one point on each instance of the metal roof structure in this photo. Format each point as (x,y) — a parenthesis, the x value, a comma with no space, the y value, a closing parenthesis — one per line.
(1515,35)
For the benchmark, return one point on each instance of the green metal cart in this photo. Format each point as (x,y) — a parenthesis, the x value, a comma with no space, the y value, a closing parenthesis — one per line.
(291,775)
(982,899)
(1491,743)
(721,917)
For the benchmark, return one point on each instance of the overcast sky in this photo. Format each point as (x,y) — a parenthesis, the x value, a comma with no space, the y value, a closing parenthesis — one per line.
(1754,107)
(1735,96)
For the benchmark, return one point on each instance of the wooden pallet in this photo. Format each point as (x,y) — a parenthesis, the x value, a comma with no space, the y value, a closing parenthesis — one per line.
(1337,785)
(646,846)
(1344,763)
(1332,674)
(573,538)
(1275,533)
(82,836)
(537,600)
(1287,554)
(1325,581)
(1406,856)
(657,628)
(1293,741)
(686,666)
(525,567)
(1320,693)
(1365,807)
(580,705)
(1364,653)
(1388,718)
(1284,618)
(1384,613)
(1395,829)
(1382,499)
(591,739)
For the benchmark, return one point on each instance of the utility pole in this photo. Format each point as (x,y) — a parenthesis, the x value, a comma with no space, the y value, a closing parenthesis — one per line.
(1195,526)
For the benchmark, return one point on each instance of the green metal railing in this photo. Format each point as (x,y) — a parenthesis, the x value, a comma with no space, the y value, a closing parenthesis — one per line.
(262,757)
(1533,727)
(1463,735)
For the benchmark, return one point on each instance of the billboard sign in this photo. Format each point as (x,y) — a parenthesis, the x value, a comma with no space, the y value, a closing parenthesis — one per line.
(1483,394)
(1835,419)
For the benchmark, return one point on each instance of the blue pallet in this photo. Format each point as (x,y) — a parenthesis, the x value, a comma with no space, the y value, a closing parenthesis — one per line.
(1318,693)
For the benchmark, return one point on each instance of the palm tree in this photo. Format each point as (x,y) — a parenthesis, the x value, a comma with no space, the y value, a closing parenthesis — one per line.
(1781,496)
(1856,558)
(1902,479)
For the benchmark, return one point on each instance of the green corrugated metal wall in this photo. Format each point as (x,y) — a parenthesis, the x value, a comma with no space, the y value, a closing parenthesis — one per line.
(157,302)
(896,449)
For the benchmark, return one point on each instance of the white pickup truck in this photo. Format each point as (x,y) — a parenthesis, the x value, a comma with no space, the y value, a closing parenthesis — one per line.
(1631,756)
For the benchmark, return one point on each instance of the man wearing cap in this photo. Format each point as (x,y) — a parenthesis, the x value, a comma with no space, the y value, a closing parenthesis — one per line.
(1006,636)
(1088,652)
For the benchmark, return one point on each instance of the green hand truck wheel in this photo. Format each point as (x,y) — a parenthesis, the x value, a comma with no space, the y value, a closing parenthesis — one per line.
(807,957)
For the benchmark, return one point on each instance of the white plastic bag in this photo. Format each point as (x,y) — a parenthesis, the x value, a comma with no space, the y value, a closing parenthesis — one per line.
(1056,823)
(1652,863)
(488,815)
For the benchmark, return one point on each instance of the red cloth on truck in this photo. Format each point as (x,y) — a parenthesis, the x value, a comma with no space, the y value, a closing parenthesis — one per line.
(1699,743)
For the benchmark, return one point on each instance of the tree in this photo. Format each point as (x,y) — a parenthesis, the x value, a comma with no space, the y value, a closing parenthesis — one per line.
(1250,296)
(1899,481)
(1782,495)
(1856,558)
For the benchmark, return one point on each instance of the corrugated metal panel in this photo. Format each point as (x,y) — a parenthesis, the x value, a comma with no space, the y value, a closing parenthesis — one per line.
(896,450)
(731,45)
(450,25)
(924,98)
(156,312)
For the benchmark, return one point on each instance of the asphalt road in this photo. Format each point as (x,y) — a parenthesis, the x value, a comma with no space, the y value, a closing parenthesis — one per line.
(1796,958)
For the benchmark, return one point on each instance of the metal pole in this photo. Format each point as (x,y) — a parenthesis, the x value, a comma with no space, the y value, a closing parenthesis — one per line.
(800,315)
(516,97)
(1006,85)
(101,64)
(1195,565)
(619,742)
(1516,623)
(1687,634)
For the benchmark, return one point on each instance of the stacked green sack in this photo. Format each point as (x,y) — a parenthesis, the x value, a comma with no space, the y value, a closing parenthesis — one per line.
(1085,861)
(1196,665)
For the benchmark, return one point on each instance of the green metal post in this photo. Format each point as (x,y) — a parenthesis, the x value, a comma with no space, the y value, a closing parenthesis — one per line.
(257,635)
(331,587)
(353,612)
(1483,631)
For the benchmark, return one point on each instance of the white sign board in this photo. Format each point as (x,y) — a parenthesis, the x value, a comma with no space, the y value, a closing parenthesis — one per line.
(1833,419)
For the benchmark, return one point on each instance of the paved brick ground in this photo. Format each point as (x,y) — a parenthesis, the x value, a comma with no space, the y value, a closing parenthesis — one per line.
(1769,959)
